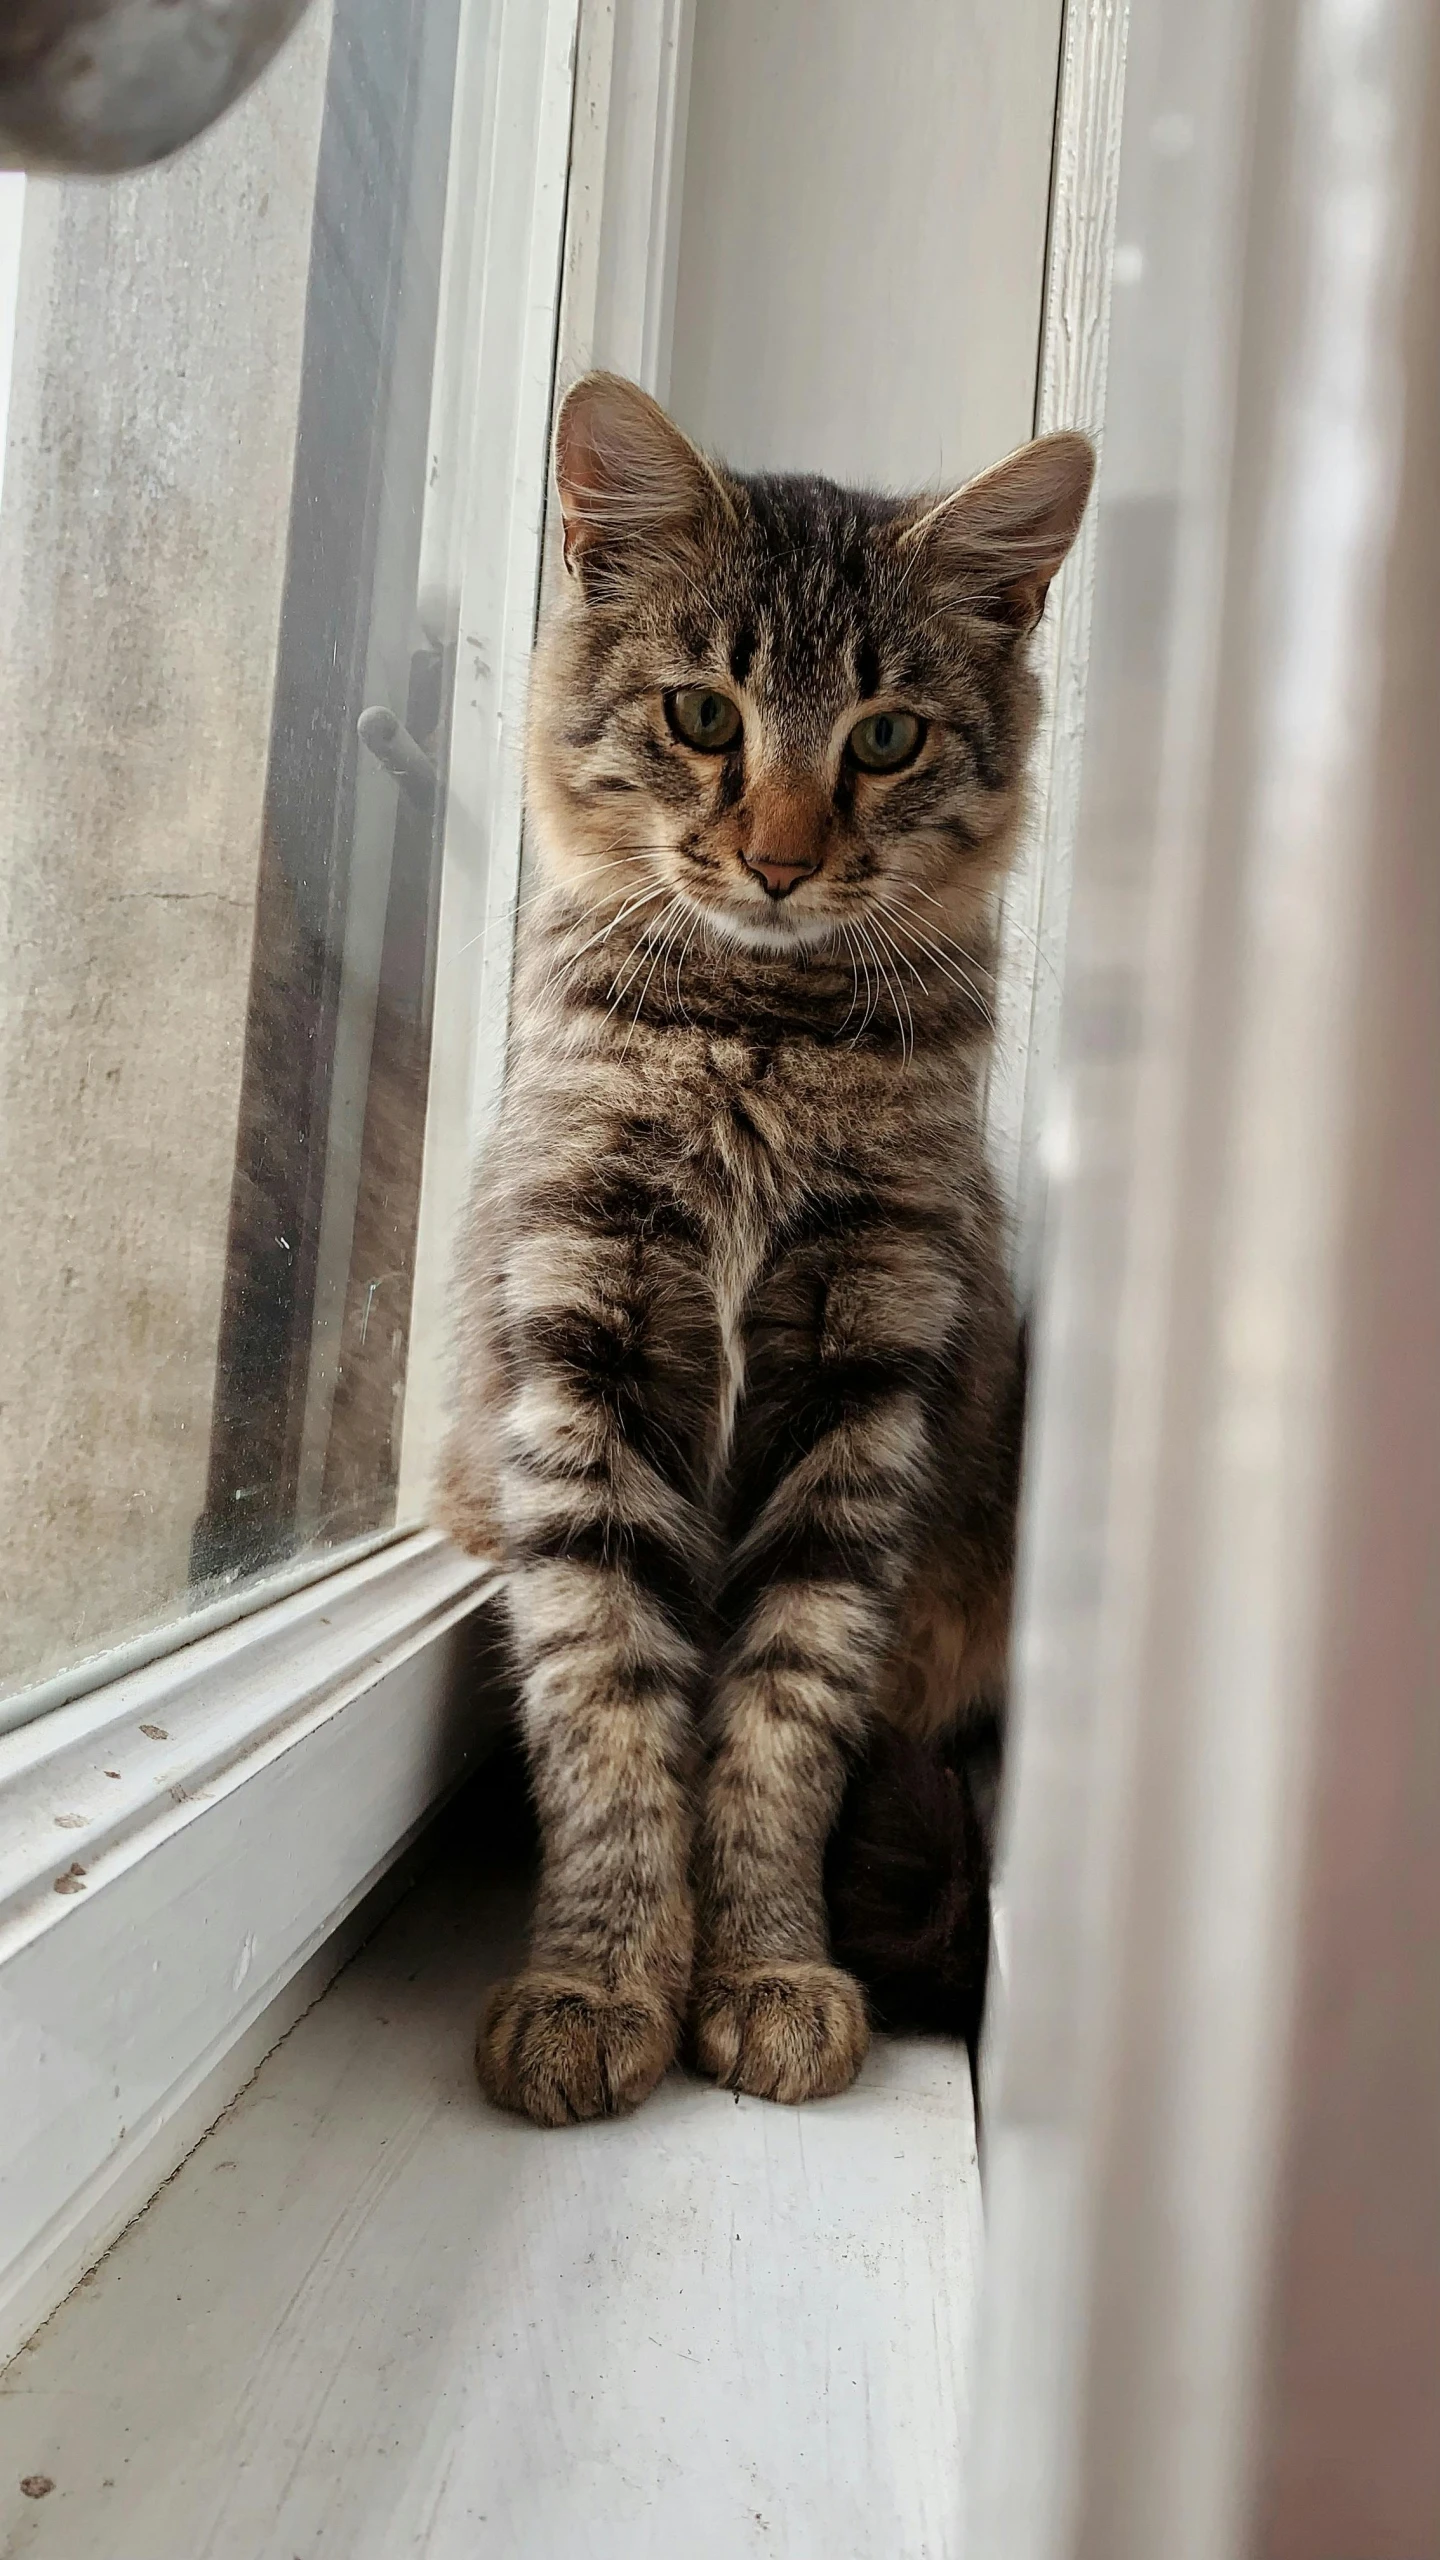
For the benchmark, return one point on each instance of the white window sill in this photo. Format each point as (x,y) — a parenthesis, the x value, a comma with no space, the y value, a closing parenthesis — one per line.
(180,1851)
(371,2317)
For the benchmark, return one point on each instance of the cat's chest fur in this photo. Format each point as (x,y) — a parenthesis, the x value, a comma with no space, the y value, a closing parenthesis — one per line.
(749,1137)
(754,1122)
(757,1125)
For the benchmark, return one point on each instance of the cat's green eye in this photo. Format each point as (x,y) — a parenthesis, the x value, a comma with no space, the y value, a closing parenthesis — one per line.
(703,718)
(884,740)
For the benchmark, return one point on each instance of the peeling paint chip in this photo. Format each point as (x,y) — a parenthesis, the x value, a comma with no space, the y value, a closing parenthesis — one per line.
(72,1880)
(71,1821)
(36,2485)
(156,1732)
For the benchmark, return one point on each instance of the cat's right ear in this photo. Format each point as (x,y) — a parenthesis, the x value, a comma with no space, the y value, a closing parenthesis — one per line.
(632,487)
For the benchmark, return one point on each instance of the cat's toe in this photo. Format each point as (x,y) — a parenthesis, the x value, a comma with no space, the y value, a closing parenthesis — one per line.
(561,2050)
(783,2031)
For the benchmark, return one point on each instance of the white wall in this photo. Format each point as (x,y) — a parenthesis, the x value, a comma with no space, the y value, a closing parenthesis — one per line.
(863,233)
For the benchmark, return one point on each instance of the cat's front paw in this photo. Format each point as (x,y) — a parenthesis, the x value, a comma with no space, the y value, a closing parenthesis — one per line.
(784,2031)
(561,2050)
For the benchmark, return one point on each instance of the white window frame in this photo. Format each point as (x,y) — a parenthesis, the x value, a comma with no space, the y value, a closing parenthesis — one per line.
(1069,392)
(160,1931)
(1211,2105)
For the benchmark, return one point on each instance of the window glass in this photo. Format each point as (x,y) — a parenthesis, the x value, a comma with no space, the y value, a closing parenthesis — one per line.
(225,722)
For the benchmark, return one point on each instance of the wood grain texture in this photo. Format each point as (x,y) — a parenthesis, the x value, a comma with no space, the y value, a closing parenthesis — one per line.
(370,2318)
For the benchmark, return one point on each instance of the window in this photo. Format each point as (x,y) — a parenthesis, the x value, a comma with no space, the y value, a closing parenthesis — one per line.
(270,535)
(228,626)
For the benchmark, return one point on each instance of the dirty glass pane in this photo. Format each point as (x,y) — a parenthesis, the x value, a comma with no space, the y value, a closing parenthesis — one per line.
(224,728)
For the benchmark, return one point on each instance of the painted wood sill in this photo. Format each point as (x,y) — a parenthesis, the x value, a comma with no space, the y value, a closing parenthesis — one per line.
(180,1851)
(370,2318)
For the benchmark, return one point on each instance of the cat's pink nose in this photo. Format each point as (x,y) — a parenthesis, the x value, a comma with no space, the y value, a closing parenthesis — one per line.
(779,877)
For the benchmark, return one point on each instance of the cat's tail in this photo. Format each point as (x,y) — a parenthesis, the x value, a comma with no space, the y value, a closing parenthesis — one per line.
(907,1880)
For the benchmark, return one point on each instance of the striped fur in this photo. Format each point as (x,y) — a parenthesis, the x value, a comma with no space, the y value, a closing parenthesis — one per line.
(737,1348)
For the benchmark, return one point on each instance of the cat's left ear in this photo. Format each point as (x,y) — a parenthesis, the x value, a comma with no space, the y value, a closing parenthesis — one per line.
(1000,540)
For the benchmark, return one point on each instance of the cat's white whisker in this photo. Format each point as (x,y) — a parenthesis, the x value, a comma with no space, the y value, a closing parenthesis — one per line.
(916,974)
(871,998)
(522,905)
(695,923)
(634,961)
(854,975)
(873,932)
(547,889)
(645,990)
(953,969)
(672,918)
(632,907)
(902,958)
(947,941)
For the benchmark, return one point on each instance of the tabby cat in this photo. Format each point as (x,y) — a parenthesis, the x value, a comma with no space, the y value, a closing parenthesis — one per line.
(738,1353)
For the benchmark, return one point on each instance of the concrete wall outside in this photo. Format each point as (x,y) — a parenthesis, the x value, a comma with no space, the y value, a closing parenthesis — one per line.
(143,531)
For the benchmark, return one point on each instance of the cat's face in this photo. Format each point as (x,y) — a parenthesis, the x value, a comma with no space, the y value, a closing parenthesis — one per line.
(793,714)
